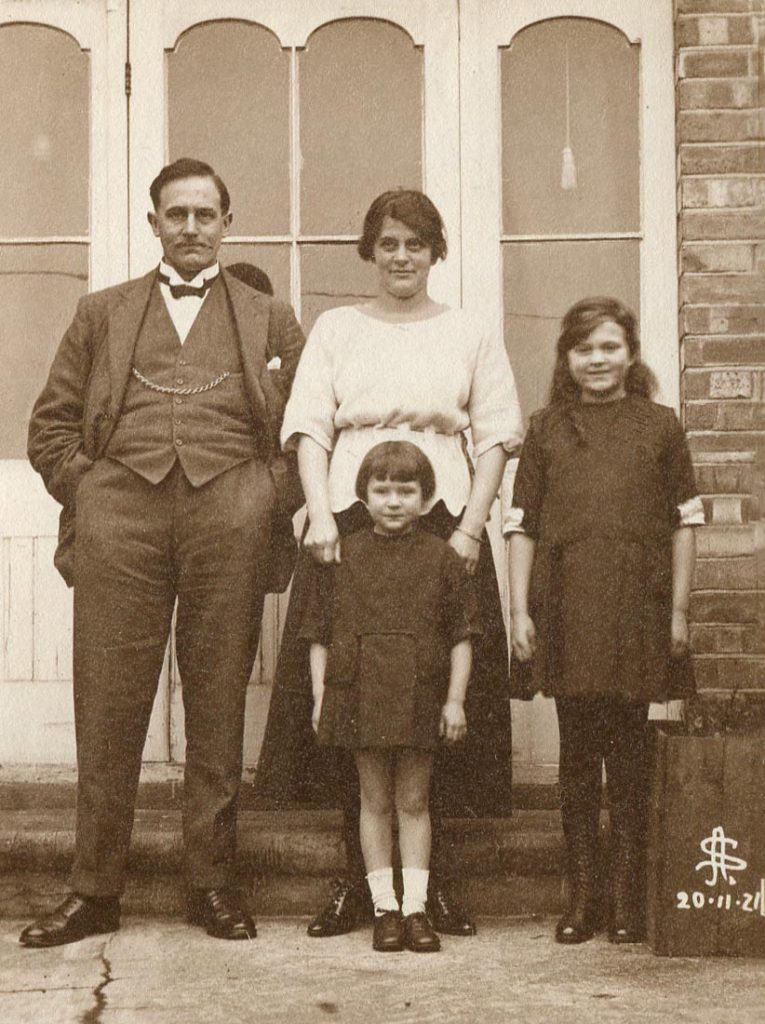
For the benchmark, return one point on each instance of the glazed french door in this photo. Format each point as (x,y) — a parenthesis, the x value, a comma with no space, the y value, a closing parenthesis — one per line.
(568,190)
(307,110)
(63,232)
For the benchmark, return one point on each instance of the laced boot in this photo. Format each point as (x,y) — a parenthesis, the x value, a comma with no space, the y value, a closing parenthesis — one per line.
(578,922)
(625,919)
(341,913)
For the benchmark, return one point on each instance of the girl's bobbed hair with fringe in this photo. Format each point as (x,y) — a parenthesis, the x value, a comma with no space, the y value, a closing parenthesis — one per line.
(401,461)
(412,208)
(578,323)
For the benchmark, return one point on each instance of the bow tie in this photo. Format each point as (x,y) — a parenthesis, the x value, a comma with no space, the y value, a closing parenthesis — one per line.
(180,291)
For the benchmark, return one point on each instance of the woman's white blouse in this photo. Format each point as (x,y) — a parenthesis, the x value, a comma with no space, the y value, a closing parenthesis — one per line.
(361,381)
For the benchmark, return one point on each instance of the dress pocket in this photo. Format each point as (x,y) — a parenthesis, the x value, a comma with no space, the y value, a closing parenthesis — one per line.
(343,661)
(387,688)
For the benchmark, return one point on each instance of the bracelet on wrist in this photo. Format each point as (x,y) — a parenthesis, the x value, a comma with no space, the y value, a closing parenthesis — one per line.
(471,535)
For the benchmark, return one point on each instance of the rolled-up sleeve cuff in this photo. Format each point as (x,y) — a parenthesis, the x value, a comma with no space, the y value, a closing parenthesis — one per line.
(512,520)
(501,430)
(691,512)
(291,437)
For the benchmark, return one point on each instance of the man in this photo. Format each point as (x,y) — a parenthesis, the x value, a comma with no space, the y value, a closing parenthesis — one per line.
(157,431)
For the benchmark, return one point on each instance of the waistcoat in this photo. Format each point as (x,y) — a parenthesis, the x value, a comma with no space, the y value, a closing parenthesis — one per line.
(208,432)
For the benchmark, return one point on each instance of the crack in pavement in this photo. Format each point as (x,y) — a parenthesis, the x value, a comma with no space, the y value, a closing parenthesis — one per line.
(95,1014)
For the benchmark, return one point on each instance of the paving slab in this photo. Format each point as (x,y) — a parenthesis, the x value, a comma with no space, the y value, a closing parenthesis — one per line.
(162,971)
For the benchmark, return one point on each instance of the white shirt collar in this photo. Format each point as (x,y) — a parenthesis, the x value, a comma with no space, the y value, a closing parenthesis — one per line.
(175,278)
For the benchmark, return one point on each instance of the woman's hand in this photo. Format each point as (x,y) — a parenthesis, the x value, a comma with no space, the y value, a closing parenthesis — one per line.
(453,725)
(524,636)
(679,634)
(323,540)
(467,548)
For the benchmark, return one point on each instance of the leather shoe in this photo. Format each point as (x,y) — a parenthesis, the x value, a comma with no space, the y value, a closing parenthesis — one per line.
(342,912)
(445,915)
(419,935)
(220,913)
(388,933)
(73,919)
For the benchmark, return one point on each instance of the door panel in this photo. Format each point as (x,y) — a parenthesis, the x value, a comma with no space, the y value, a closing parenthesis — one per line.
(63,231)
(588,76)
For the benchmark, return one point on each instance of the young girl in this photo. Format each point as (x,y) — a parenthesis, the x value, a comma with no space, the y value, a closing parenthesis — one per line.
(390,629)
(601,561)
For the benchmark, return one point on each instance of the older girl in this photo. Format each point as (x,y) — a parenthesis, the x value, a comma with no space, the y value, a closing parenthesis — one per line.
(601,560)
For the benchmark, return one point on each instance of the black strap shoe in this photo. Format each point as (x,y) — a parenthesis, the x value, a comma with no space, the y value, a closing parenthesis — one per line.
(446,915)
(220,913)
(74,919)
(419,935)
(388,932)
(342,913)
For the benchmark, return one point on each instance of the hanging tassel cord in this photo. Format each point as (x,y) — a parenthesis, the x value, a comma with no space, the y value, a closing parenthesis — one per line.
(568,171)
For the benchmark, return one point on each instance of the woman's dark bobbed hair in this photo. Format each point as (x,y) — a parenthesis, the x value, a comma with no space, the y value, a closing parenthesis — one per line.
(578,323)
(412,208)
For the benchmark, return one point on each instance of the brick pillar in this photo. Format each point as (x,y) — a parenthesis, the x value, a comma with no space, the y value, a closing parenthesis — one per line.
(721,159)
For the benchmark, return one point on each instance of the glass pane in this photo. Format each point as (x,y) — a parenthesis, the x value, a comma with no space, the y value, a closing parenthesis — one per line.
(228,104)
(604,104)
(273,259)
(333,275)
(541,281)
(360,121)
(39,289)
(45,114)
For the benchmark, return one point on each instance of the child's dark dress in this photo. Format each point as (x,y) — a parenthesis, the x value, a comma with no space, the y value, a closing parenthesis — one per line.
(389,614)
(601,488)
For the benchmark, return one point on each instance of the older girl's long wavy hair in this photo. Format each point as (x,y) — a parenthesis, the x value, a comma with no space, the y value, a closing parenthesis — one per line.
(580,321)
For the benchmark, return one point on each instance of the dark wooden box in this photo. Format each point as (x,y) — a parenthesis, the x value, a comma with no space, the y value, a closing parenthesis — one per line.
(706,844)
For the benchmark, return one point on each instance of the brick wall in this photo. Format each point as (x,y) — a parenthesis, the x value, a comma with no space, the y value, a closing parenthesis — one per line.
(721,169)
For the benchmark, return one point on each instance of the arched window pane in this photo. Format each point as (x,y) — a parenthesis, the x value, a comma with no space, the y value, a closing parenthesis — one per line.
(541,281)
(44,113)
(228,104)
(604,104)
(360,121)
(39,288)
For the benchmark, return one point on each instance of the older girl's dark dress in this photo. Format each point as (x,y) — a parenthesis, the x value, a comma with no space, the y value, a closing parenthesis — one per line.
(389,614)
(600,487)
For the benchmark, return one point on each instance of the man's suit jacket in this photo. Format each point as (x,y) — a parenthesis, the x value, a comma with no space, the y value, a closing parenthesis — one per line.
(81,402)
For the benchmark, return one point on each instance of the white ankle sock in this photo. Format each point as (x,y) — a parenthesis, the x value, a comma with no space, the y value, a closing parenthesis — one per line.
(415,890)
(380,884)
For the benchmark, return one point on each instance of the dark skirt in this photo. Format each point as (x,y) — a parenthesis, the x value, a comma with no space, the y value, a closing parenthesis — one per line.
(472,778)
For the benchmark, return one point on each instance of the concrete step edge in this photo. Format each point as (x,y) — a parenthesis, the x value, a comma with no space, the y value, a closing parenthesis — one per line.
(288,843)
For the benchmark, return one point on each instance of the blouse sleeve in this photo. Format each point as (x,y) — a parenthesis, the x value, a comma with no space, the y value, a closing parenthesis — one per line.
(312,404)
(687,509)
(522,496)
(493,407)
(461,615)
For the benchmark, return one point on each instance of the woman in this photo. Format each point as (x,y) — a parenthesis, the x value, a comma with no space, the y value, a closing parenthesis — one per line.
(399,367)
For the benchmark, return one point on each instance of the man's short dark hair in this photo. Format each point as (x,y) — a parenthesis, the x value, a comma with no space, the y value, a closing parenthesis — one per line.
(187,167)
(401,461)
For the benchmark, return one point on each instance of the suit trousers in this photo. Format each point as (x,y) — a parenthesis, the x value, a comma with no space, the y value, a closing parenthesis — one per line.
(139,548)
